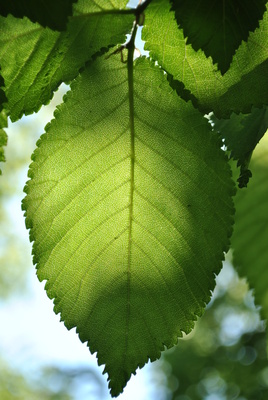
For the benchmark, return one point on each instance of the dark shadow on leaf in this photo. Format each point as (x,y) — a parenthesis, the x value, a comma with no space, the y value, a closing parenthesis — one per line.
(3,98)
(181,91)
(252,87)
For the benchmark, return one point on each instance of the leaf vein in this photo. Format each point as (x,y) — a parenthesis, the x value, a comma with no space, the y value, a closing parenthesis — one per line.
(102,251)
(162,275)
(170,254)
(175,228)
(88,210)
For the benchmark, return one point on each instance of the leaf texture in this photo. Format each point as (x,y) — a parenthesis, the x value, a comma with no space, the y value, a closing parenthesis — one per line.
(218,28)
(51,13)
(249,241)
(242,86)
(130,209)
(36,60)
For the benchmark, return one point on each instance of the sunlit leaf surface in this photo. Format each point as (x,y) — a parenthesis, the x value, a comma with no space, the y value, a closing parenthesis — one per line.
(241,134)
(242,86)
(130,209)
(36,60)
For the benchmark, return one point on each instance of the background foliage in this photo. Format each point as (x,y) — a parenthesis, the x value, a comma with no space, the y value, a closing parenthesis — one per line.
(129,187)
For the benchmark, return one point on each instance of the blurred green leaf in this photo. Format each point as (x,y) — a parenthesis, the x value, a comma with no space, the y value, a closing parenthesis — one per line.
(250,237)
(225,356)
(3,98)
(50,383)
(3,136)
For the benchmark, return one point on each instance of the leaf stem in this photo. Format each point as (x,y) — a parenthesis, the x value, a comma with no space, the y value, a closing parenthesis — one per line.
(141,7)
(125,11)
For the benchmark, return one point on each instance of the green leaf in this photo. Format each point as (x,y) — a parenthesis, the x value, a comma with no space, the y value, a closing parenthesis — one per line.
(130,209)
(218,28)
(249,241)
(51,13)
(241,134)
(3,98)
(3,136)
(36,60)
(242,86)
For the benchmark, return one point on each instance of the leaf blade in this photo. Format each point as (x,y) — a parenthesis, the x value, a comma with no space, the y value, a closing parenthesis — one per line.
(249,241)
(240,87)
(53,14)
(36,60)
(3,136)
(218,29)
(241,134)
(128,298)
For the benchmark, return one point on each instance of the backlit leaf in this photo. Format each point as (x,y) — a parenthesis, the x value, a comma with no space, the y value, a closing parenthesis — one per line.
(51,13)
(242,86)
(130,209)
(241,134)
(3,136)
(36,60)
(3,98)
(250,237)
(218,28)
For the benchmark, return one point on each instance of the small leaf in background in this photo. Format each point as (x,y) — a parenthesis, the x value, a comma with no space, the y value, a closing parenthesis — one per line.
(218,28)
(241,87)
(250,238)
(51,13)
(129,224)
(241,134)
(250,89)
(3,122)
(3,136)
(36,60)
(3,98)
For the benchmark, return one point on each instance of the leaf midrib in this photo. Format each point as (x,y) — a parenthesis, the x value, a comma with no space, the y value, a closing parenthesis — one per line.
(132,165)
